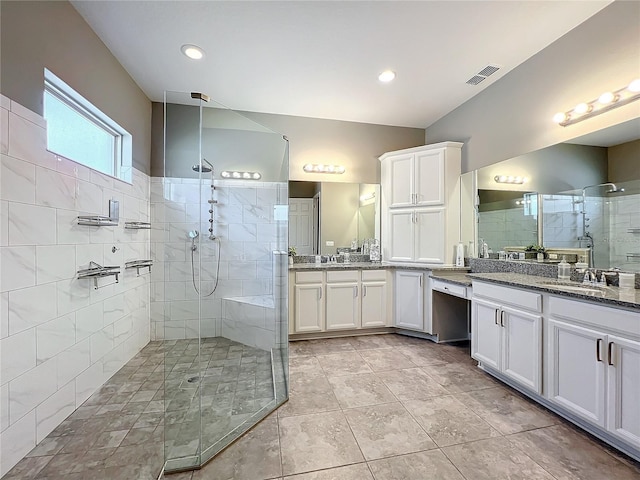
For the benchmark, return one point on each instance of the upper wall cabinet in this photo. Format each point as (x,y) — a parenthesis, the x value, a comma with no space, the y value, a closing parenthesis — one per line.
(416,178)
(420,207)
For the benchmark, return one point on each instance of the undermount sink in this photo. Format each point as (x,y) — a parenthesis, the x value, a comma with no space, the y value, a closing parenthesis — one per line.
(588,289)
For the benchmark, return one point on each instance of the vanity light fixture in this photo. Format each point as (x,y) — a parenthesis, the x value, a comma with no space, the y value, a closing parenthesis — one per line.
(387,76)
(194,52)
(233,175)
(605,102)
(313,168)
(510,179)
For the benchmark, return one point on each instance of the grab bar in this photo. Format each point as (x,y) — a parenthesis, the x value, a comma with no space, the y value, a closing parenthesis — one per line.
(138,264)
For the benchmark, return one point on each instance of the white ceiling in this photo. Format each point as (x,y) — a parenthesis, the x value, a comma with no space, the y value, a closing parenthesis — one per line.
(321,59)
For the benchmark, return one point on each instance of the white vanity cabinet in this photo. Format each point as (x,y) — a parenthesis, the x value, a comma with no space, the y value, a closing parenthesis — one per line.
(412,300)
(308,302)
(593,365)
(506,332)
(420,203)
(343,300)
(333,300)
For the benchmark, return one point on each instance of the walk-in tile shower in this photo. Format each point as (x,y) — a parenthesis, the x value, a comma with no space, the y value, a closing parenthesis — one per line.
(218,292)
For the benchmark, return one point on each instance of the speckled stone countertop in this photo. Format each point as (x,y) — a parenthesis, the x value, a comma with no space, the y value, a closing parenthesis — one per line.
(629,298)
(457,277)
(372,266)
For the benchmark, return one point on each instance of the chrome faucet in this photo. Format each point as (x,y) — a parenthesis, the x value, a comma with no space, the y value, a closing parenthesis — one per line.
(590,276)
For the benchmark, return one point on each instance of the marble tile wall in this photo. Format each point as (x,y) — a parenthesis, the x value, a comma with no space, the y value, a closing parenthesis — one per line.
(561,221)
(624,220)
(60,339)
(508,227)
(249,225)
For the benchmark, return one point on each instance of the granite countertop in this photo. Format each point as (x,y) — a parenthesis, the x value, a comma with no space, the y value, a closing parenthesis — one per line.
(629,298)
(457,277)
(372,266)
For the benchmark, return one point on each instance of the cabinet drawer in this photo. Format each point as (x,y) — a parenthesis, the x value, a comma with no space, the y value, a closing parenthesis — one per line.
(507,295)
(599,316)
(342,276)
(308,277)
(374,275)
(450,288)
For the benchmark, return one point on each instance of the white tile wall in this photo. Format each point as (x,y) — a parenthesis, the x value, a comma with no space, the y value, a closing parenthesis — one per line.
(60,339)
(245,224)
(508,227)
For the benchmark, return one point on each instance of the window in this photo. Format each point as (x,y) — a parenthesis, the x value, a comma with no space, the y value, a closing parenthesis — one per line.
(77,130)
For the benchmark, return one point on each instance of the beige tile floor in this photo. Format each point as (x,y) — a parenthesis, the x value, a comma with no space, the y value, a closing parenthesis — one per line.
(380,407)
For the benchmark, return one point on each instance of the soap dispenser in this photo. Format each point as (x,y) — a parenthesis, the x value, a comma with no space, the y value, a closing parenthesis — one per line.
(564,270)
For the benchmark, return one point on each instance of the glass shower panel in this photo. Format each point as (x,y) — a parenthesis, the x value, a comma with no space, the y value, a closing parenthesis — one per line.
(225,252)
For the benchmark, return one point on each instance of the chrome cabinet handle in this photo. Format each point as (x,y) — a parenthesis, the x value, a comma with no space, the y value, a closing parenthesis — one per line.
(364,290)
(598,355)
(421,280)
(495,316)
(610,354)
(320,291)
(355,289)
(502,318)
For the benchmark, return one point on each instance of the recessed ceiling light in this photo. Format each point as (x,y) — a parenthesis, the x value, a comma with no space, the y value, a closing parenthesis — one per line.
(192,51)
(387,76)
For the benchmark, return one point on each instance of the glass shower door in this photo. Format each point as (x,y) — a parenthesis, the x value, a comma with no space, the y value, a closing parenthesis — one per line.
(224,245)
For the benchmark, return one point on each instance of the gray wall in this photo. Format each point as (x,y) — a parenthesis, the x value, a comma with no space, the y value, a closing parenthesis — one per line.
(312,140)
(513,116)
(35,35)
(624,162)
(550,170)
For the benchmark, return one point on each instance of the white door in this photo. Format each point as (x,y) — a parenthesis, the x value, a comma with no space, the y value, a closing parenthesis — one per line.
(576,359)
(401,224)
(429,178)
(522,347)
(429,235)
(343,306)
(623,358)
(409,300)
(309,308)
(486,332)
(401,184)
(301,225)
(374,304)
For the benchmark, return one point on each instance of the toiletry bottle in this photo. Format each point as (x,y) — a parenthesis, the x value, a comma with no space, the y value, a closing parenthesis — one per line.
(460,255)
(564,270)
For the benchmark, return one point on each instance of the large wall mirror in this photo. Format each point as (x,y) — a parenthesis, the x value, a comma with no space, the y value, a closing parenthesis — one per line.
(325,216)
(582,196)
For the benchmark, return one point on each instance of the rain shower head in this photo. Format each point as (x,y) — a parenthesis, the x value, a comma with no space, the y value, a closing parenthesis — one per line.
(203,168)
(613,189)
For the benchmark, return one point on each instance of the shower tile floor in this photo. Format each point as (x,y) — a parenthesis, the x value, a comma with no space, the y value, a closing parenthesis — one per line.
(122,431)
(378,407)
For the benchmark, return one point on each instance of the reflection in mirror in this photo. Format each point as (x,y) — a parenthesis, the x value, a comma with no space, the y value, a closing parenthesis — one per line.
(578,208)
(325,216)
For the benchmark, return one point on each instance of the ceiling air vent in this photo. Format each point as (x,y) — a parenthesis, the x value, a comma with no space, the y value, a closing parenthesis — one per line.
(482,74)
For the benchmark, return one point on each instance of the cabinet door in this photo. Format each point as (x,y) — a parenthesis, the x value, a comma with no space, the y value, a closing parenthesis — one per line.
(522,347)
(343,306)
(429,234)
(429,178)
(401,181)
(374,304)
(309,308)
(576,360)
(401,223)
(409,300)
(623,357)
(486,332)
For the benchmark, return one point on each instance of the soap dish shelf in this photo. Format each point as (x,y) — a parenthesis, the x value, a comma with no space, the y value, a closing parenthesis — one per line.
(139,264)
(137,225)
(634,230)
(97,271)
(97,221)
(633,257)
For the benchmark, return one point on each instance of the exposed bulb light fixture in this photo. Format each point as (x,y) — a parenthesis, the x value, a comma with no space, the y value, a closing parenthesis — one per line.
(604,103)
(233,175)
(387,76)
(313,168)
(192,51)
(510,179)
